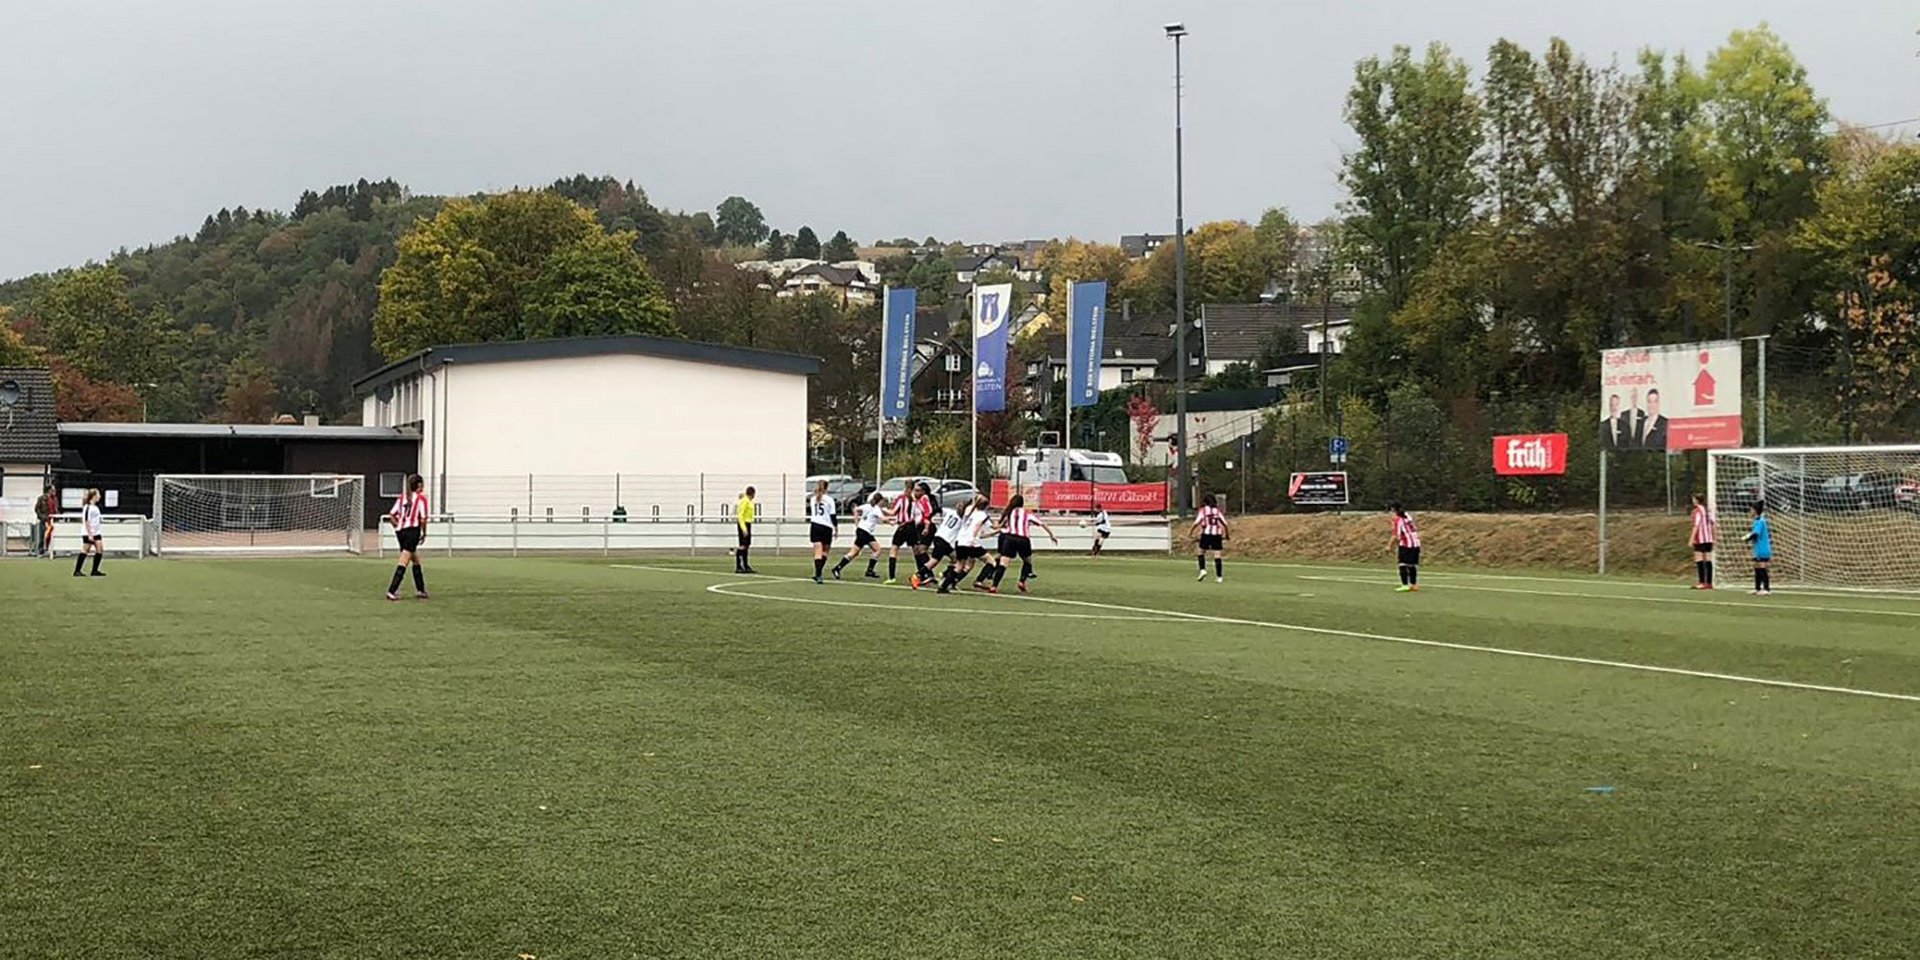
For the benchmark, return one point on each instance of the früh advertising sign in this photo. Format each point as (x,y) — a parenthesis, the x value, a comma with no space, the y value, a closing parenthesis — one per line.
(1530,455)
(1680,397)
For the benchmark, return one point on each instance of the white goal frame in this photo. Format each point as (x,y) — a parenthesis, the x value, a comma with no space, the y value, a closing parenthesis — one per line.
(338,528)
(1828,533)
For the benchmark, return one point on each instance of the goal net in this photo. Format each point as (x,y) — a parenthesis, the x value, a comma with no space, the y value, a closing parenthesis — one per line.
(1841,517)
(258,513)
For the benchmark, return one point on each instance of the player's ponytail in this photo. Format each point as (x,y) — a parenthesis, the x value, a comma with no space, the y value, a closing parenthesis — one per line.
(1014,502)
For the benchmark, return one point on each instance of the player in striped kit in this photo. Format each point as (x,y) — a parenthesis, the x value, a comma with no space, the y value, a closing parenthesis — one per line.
(1016,540)
(1210,525)
(409,516)
(906,532)
(1705,526)
(820,527)
(867,519)
(1406,541)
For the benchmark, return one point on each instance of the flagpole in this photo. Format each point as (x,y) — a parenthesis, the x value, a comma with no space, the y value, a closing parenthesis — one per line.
(973,390)
(1066,439)
(880,396)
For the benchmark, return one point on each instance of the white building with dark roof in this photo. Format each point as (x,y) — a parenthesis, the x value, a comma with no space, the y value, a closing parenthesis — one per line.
(491,416)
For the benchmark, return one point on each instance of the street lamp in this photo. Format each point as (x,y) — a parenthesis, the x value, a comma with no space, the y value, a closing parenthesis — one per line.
(1726,271)
(1183,492)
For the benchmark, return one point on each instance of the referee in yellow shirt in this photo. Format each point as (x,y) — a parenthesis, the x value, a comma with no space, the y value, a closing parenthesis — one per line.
(743,518)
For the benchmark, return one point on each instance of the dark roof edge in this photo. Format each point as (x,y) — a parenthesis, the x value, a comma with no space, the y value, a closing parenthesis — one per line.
(571,347)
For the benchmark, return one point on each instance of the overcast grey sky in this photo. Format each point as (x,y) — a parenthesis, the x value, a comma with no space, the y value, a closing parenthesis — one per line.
(128,121)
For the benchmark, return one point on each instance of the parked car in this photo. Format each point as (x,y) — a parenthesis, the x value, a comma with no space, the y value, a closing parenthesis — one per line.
(898,485)
(953,493)
(843,488)
(1786,492)
(1871,490)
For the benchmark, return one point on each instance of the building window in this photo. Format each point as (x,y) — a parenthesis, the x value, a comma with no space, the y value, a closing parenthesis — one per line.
(392,484)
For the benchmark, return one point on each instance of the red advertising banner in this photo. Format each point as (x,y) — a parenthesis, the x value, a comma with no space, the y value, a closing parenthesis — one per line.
(1530,455)
(1079,497)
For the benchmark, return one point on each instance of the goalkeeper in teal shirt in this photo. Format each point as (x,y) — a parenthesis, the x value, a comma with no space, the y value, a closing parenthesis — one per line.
(1761,536)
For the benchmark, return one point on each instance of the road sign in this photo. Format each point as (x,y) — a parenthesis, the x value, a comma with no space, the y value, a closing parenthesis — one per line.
(1337,449)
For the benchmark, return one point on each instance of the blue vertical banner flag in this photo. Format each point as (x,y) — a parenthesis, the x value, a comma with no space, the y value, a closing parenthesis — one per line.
(1087,334)
(896,351)
(990,308)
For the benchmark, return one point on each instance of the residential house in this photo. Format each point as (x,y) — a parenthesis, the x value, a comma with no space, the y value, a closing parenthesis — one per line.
(1124,360)
(847,283)
(1234,333)
(1137,245)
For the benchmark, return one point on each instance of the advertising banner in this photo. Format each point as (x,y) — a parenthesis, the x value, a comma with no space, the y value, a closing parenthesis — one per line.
(1679,397)
(1327,488)
(1086,338)
(1080,496)
(896,352)
(1530,455)
(990,308)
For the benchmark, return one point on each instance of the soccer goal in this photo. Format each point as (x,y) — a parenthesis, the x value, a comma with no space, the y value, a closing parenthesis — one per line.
(258,513)
(1842,517)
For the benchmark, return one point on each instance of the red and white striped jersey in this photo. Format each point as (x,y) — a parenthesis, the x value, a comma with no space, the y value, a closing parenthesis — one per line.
(1213,522)
(1019,522)
(409,511)
(1704,525)
(923,510)
(1405,533)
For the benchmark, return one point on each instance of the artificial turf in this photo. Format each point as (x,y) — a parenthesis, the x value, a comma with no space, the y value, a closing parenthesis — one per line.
(573,759)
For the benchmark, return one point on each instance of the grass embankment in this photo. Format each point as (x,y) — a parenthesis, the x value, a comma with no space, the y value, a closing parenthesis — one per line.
(1637,542)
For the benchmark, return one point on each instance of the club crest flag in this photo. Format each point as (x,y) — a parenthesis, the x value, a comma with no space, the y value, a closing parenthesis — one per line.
(990,308)
(896,352)
(1086,332)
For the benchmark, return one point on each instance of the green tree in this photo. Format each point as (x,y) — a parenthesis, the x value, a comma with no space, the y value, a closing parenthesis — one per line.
(1412,180)
(595,287)
(806,244)
(86,316)
(508,267)
(1278,239)
(930,278)
(779,246)
(737,222)
(839,249)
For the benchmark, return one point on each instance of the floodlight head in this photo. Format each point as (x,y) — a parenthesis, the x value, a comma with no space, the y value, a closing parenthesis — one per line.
(9,393)
(1176,30)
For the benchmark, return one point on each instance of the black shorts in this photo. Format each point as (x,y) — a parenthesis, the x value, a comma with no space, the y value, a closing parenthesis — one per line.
(905,535)
(1703,548)
(969,553)
(1409,556)
(85,539)
(1213,541)
(861,538)
(940,549)
(1013,545)
(409,538)
(819,534)
(1102,534)
(746,534)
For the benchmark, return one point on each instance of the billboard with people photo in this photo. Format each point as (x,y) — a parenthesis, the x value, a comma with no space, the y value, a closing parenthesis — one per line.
(1671,398)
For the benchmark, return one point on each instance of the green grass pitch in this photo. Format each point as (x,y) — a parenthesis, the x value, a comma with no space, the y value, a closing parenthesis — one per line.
(575,759)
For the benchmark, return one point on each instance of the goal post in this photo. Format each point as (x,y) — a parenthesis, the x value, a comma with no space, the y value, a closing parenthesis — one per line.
(258,513)
(1845,518)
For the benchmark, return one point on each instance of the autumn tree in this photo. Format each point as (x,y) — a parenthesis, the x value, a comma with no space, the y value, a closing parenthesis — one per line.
(737,222)
(513,266)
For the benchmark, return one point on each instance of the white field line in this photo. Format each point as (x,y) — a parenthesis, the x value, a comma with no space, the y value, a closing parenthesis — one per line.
(1889,595)
(748,579)
(1756,605)
(1183,616)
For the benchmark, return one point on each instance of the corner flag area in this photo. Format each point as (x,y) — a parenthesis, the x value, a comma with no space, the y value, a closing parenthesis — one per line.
(587,758)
